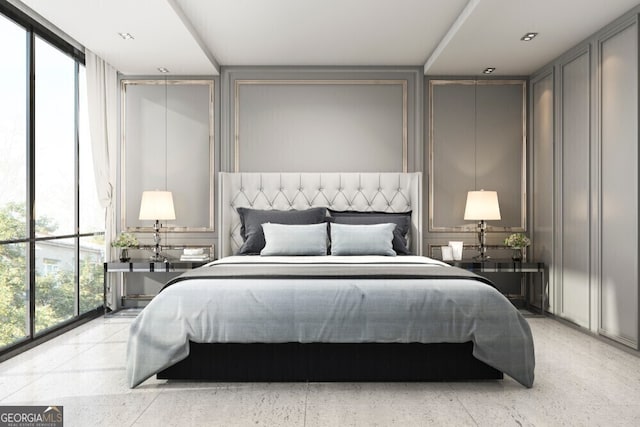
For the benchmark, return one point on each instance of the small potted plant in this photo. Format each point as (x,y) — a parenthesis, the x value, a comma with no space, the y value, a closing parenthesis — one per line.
(517,242)
(124,242)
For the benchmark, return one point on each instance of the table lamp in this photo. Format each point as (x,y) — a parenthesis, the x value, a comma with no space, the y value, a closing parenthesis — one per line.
(157,205)
(482,206)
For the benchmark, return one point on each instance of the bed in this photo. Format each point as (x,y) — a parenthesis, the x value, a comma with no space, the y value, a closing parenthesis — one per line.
(340,317)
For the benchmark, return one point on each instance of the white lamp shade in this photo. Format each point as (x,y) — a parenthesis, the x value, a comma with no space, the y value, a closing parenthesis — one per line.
(482,205)
(157,205)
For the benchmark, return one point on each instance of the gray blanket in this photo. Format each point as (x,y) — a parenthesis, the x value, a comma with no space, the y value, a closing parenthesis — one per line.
(401,299)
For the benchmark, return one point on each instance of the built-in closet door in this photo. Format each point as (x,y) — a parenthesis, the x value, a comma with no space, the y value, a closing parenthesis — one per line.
(574,274)
(619,185)
(542,155)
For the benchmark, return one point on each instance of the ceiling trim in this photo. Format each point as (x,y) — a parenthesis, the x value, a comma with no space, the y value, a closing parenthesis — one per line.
(189,26)
(466,12)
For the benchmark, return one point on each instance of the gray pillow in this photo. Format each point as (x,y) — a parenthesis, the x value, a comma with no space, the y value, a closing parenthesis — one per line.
(251,221)
(401,219)
(374,239)
(283,239)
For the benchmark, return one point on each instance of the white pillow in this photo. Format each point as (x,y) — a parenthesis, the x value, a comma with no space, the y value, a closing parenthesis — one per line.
(285,239)
(371,239)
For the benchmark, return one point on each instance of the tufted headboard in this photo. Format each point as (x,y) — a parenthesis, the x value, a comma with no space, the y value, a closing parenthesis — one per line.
(386,192)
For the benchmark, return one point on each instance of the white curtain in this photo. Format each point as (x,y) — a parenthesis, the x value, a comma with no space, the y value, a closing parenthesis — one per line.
(102,94)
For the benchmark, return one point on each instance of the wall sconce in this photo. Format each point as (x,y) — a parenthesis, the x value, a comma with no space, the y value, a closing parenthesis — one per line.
(157,205)
(482,206)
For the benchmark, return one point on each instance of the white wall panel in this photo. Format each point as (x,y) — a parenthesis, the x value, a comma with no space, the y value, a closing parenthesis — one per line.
(574,197)
(619,185)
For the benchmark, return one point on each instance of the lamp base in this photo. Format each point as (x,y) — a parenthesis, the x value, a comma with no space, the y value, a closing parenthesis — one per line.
(157,257)
(482,235)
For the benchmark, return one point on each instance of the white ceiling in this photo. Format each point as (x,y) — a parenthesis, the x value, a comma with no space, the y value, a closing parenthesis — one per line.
(448,37)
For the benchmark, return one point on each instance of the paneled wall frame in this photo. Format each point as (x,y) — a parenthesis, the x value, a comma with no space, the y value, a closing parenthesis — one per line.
(313,82)
(432,226)
(409,78)
(210,85)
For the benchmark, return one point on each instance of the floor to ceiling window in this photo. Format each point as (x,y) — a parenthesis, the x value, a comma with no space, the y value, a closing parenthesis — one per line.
(51,224)
(54,181)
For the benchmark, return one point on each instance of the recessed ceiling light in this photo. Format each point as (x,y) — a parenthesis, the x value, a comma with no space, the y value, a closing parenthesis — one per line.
(126,36)
(163,70)
(489,70)
(528,37)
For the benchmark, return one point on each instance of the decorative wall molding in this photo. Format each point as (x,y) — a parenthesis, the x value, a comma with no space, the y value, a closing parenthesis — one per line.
(239,83)
(183,150)
(452,178)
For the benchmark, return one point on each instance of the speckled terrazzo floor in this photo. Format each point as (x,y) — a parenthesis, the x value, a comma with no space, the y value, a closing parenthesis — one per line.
(580,381)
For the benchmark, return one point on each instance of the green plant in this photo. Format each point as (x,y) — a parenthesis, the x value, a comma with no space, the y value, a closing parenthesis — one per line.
(125,240)
(517,240)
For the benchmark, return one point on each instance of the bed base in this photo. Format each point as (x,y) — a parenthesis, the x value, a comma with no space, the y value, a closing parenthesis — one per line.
(295,362)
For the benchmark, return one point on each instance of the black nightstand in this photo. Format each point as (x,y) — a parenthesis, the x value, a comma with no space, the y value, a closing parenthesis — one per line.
(508,266)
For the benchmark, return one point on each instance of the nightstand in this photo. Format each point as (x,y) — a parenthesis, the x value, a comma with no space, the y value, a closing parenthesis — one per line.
(142,266)
(508,266)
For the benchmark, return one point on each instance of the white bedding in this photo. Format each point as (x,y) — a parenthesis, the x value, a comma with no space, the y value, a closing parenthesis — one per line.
(330,259)
(349,309)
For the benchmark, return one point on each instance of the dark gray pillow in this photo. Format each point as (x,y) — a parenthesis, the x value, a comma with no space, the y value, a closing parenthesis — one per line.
(251,221)
(402,220)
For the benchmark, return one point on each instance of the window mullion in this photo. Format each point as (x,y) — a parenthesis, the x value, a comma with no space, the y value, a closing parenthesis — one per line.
(31,180)
(76,118)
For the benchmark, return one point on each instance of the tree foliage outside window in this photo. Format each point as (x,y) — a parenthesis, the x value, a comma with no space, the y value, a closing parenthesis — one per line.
(55,289)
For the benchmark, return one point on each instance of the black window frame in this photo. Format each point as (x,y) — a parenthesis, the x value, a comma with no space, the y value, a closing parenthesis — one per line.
(34,28)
